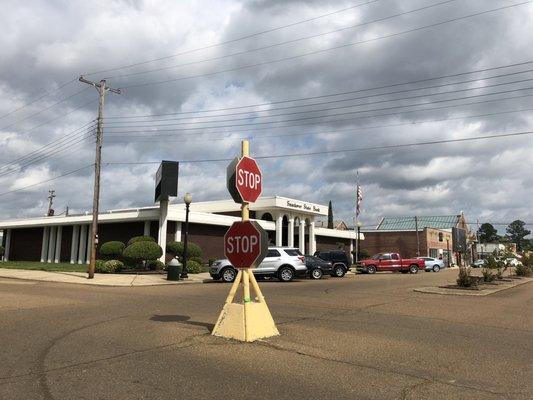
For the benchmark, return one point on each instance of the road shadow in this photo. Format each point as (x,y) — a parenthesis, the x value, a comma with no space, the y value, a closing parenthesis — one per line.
(182,319)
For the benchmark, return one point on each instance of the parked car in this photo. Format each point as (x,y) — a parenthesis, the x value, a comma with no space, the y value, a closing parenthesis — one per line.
(280,262)
(390,262)
(478,263)
(432,264)
(316,267)
(512,262)
(340,261)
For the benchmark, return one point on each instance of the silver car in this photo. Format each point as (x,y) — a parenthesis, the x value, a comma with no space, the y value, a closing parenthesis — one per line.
(284,263)
(432,264)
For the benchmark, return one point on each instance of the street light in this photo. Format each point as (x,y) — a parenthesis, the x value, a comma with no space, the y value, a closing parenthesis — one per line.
(359,225)
(188,200)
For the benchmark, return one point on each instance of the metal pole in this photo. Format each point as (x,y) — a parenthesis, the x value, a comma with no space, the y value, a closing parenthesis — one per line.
(417,238)
(357,244)
(184,273)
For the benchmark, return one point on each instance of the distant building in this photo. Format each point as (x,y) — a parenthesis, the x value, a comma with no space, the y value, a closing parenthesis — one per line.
(413,236)
(486,249)
(337,224)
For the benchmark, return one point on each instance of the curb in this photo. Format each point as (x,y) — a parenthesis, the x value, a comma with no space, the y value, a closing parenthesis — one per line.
(462,292)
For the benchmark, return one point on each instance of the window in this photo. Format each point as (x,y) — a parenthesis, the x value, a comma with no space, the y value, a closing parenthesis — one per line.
(273,253)
(384,256)
(441,237)
(395,257)
(293,252)
(433,253)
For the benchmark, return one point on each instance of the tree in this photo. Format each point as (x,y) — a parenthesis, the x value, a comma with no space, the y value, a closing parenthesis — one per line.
(330,215)
(487,233)
(516,233)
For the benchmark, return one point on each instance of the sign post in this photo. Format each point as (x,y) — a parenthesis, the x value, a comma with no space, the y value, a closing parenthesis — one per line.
(245,246)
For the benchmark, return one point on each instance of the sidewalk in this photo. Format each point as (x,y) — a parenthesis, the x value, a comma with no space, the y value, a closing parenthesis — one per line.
(99,279)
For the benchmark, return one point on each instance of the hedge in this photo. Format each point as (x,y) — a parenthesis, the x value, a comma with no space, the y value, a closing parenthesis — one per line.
(140,239)
(112,250)
(143,251)
(108,267)
(176,248)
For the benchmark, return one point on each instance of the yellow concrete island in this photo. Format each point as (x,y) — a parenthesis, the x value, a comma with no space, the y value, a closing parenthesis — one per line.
(249,319)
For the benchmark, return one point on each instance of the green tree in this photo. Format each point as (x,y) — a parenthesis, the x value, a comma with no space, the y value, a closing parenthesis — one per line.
(330,215)
(487,233)
(516,233)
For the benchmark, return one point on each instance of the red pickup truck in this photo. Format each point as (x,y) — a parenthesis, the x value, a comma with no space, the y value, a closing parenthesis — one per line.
(390,262)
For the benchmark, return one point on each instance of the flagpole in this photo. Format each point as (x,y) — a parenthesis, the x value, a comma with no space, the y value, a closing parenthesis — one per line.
(356,223)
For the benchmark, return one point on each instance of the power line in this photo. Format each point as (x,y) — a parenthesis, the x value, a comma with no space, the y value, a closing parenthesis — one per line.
(326,49)
(113,125)
(338,151)
(230,40)
(270,46)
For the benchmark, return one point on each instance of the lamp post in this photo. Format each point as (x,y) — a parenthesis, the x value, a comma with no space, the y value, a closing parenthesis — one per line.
(188,200)
(448,252)
(359,225)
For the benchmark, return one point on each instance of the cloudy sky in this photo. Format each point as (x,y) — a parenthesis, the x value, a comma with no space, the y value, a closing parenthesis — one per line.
(296,77)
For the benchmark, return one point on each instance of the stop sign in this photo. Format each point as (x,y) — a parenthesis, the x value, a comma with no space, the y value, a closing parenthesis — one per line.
(245,244)
(245,182)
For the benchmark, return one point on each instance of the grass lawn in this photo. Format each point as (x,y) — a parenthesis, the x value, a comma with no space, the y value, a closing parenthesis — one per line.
(67,267)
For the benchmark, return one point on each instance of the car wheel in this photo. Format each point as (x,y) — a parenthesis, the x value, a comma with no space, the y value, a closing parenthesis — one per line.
(316,273)
(339,271)
(285,274)
(436,268)
(371,269)
(413,269)
(228,274)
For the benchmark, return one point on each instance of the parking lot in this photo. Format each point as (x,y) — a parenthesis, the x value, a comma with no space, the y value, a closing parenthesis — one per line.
(357,337)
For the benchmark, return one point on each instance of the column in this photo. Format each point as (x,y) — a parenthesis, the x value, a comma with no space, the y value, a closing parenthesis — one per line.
(312,242)
(89,238)
(75,243)
(57,257)
(301,236)
(162,236)
(351,250)
(7,232)
(279,230)
(83,244)
(290,232)
(51,244)
(177,234)
(44,246)
(146,231)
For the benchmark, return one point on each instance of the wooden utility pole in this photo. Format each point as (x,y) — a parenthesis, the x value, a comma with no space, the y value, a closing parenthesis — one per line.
(102,89)
(51,195)
(417,238)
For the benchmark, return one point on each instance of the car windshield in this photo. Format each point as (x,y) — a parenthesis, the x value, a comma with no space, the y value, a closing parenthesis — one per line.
(377,256)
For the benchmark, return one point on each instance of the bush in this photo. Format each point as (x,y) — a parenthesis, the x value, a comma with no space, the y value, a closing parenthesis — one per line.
(109,267)
(523,270)
(176,248)
(193,267)
(143,251)
(112,250)
(488,276)
(2,251)
(140,239)
(196,259)
(464,279)
(98,265)
(155,265)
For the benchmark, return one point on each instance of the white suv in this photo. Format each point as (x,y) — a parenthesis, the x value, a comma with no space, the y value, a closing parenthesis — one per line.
(284,263)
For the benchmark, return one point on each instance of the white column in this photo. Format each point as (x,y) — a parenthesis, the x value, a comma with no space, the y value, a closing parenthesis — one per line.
(83,244)
(290,232)
(75,243)
(146,228)
(177,234)
(162,236)
(7,232)
(58,244)
(44,246)
(312,242)
(279,230)
(88,246)
(51,244)
(351,250)
(301,236)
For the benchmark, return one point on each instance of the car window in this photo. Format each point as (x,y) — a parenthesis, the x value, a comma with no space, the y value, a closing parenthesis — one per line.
(273,253)
(293,252)
(395,257)
(385,256)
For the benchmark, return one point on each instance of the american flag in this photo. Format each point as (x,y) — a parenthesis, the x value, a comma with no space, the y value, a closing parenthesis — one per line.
(358,201)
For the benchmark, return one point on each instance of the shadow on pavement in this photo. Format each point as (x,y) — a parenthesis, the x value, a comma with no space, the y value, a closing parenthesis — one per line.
(182,319)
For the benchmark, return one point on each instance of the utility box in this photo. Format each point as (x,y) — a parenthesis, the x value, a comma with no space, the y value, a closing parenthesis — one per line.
(166,180)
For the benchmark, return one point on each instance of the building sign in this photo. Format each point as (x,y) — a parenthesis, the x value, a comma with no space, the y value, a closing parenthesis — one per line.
(459,240)
(303,206)
(166,180)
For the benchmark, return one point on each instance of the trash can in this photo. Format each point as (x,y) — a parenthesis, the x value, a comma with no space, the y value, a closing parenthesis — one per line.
(173,270)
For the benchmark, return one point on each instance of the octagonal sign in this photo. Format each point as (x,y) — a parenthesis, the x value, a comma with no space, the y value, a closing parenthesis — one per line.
(245,244)
(245,181)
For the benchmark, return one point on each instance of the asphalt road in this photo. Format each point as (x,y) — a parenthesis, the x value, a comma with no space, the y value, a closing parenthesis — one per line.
(360,337)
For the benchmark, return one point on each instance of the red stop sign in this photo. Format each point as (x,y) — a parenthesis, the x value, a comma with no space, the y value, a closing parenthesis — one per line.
(245,182)
(245,244)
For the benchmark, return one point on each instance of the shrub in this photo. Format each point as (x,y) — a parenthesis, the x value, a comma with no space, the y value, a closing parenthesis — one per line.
(155,265)
(176,248)
(98,265)
(2,251)
(193,267)
(140,239)
(112,250)
(464,279)
(196,259)
(523,270)
(109,267)
(488,276)
(143,251)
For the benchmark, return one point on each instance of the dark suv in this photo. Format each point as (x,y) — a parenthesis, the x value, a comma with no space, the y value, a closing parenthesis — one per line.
(340,260)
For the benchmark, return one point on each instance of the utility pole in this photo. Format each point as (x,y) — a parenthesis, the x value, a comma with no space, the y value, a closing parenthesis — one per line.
(417,238)
(102,89)
(51,195)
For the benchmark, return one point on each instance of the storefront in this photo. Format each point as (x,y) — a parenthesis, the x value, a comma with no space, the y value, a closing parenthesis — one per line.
(289,222)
